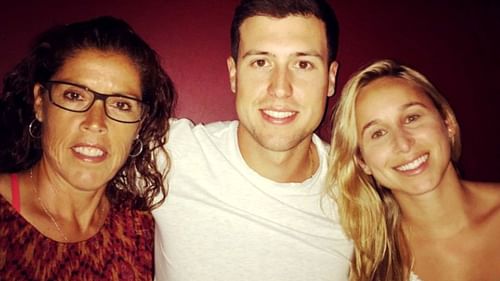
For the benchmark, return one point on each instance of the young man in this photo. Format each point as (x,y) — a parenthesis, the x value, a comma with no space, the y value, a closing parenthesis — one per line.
(245,199)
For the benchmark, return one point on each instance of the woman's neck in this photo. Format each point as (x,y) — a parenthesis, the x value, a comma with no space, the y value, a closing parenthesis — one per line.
(439,213)
(84,209)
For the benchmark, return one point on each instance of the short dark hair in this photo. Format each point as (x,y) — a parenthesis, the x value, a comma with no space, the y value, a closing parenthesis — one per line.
(321,9)
(19,151)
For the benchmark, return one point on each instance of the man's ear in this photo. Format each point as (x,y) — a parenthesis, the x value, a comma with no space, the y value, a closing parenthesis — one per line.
(231,69)
(38,101)
(361,163)
(332,78)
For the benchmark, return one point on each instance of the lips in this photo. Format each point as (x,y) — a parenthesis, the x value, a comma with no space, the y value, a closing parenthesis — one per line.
(89,153)
(279,114)
(414,164)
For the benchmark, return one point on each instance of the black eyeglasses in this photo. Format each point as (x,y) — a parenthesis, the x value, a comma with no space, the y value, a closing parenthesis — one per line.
(78,98)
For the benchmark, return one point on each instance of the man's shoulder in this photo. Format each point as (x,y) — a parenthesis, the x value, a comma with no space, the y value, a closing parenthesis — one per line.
(184,132)
(184,124)
(219,126)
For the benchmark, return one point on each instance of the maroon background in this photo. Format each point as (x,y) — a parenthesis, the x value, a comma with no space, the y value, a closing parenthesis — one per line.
(456,45)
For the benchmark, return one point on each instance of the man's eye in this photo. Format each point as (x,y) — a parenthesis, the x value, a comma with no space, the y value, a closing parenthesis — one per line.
(259,63)
(304,65)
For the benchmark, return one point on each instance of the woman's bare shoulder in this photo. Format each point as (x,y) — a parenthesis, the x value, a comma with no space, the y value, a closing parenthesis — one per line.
(485,197)
(487,188)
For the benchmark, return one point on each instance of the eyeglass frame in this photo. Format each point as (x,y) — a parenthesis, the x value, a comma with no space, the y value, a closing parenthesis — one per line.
(97,96)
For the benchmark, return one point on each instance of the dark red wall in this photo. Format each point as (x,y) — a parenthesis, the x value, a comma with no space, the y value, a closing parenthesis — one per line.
(456,45)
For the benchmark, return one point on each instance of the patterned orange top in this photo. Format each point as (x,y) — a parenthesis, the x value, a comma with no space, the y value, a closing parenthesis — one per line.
(121,250)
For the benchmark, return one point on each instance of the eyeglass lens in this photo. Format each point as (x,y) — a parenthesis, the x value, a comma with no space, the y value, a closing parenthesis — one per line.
(79,99)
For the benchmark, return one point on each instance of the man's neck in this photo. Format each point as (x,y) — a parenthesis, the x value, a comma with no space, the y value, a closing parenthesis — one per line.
(293,165)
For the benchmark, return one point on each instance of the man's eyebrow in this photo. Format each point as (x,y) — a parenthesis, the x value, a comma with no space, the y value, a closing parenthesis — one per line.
(296,54)
(255,53)
(308,54)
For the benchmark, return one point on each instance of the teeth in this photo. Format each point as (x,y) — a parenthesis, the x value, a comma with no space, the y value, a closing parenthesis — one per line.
(278,114)
(89,151)
(413,164)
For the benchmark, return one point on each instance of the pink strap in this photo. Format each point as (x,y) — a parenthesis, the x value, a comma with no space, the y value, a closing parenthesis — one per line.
(14,184)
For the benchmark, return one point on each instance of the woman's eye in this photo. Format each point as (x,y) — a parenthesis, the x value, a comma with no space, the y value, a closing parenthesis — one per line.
(122,105)
(73,96)
(377,134)
(412,118)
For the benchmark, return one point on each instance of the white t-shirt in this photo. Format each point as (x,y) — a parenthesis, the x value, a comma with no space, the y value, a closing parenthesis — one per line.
(414,277)
(223,221)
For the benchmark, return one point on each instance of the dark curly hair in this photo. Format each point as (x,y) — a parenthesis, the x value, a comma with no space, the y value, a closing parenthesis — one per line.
(139,182)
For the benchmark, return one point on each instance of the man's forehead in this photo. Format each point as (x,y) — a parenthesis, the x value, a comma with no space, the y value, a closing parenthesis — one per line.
(300,33)
(270,18)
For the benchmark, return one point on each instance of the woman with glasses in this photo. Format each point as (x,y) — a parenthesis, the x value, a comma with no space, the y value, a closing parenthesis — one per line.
(80,117)
(401,200)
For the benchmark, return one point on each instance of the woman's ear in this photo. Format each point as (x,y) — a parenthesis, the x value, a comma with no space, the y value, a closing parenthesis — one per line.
(361,163)
(38,101)
(451,127)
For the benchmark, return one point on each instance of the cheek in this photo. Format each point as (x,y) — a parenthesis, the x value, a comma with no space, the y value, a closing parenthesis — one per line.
(311,81)
(311,91)
(242,104)
(375,157)
(123,139)
(55,132)
(250,79)
(376,162)
(436,134)
(125,147)
(55,140)
(248,98)
(446,143)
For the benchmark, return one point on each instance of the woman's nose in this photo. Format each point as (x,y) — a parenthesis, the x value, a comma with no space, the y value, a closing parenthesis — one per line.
(95,118)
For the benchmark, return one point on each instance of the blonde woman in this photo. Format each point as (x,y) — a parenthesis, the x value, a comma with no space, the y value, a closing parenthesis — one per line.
(394,148)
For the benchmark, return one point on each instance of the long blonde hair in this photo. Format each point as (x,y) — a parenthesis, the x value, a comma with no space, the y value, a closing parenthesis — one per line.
(368,212)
